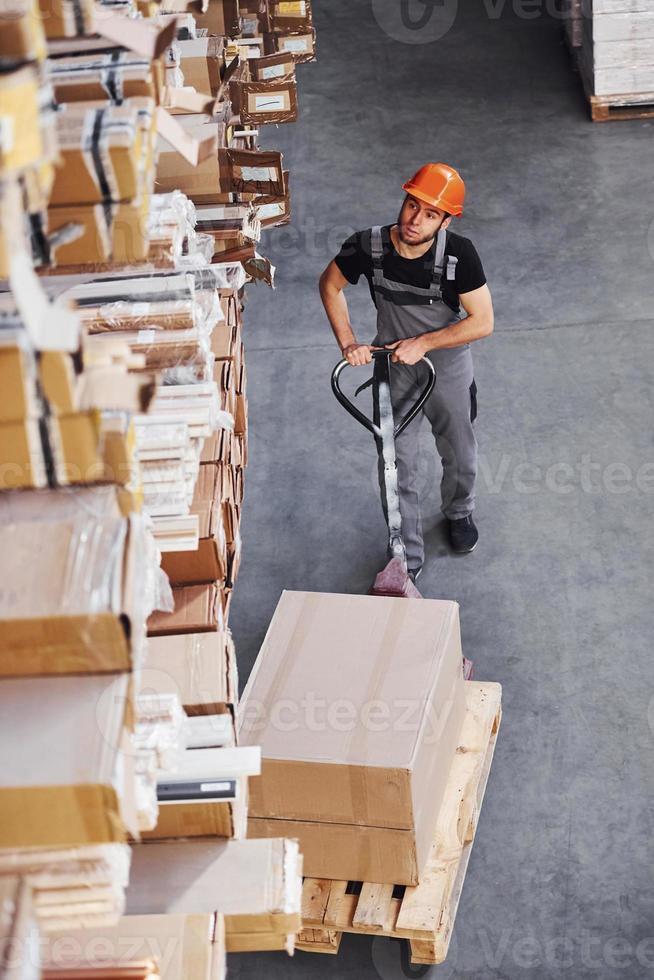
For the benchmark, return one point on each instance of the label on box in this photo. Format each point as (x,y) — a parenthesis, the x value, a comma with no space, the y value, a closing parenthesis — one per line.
(258,173)
(295,44)
(291,8)
(272,71)
(270,103)
(269,210)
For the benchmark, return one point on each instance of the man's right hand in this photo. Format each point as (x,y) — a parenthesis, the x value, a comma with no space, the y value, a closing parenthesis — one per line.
(357,354)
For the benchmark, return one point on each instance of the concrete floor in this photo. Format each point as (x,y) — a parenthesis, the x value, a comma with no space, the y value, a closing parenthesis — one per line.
(556,602)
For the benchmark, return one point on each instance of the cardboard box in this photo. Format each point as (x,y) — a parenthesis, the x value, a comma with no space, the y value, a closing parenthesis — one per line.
(199,667)
(252,171)
(256,885)
(209,562)
(272,67)
(190,946)
(219,819)
(64,796)
(22,37)
(290,15)
(23,145)
(100,154)
(57,379)
(95,75)
(75,609)
(66,18)
(202,61)
(268,102)
(197,610)
(18,392)
(370,769)
(22,460)
(275,209)
(220,18)
(300,46)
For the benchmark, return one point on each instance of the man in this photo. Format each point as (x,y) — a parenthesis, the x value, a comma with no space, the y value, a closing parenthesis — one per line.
(429,288)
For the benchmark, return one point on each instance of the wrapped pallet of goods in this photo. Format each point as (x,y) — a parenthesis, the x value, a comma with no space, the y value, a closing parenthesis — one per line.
(616,59)
(134,199)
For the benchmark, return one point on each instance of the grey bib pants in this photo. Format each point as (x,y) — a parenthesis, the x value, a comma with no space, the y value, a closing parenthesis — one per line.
(406,311)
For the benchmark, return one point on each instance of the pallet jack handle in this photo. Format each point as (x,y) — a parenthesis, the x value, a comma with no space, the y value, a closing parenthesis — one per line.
(381,352)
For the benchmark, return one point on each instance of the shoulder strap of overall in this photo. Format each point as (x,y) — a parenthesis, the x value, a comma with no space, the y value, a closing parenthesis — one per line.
(439,257)
(376,254)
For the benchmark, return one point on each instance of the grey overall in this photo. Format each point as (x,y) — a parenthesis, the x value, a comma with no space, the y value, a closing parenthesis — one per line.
(405,311)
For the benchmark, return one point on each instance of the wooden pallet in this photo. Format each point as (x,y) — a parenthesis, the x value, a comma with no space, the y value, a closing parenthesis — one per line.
(605,108)
(424,914)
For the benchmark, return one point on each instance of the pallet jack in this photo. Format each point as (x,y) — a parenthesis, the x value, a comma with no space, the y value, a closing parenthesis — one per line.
(393,580)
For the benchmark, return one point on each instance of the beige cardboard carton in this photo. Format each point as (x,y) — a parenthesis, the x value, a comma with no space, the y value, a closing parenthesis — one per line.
(256,885)
(190,946)
(199,667)
(357,703)
(66,795)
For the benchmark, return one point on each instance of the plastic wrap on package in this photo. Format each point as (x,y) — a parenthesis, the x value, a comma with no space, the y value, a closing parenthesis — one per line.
(152,439)
(124,315)
(54,568)
(150,298)
(159,728)
(96,503)
(226,275)
(173,208)
(201,246)
(155,592)
(147,806)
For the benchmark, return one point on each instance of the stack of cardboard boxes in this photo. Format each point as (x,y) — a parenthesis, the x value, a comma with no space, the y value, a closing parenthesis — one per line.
(134,194)
(357,703)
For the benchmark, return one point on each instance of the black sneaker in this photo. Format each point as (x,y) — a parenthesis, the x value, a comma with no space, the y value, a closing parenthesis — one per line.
(414,573)
(463,535)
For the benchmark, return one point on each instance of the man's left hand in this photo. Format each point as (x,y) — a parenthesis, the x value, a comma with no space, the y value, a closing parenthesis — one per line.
(408,351)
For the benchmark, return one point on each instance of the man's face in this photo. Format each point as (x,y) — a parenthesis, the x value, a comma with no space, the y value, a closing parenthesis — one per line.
(418,222)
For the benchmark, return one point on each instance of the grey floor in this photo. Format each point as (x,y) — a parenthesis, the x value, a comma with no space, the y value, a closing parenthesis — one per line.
(556,602)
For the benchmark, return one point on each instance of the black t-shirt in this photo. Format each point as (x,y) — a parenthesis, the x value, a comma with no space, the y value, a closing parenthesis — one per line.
(355,260)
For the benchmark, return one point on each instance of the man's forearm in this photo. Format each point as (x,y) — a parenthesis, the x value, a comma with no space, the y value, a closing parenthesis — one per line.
(458,333)
(338,315)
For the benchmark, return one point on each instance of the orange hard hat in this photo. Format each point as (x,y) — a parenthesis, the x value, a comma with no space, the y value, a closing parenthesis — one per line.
(439,185)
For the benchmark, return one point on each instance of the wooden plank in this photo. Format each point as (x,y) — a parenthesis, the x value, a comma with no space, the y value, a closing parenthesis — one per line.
(423,905)
(444,933)
(319,941)
(423,951)
(334,911)
(373,907)
(315,895)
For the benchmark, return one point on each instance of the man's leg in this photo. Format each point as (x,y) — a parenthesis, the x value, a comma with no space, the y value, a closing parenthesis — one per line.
(404,391)
(450,410)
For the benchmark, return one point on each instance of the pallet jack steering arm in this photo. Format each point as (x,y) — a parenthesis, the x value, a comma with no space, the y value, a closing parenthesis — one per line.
(384,355)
